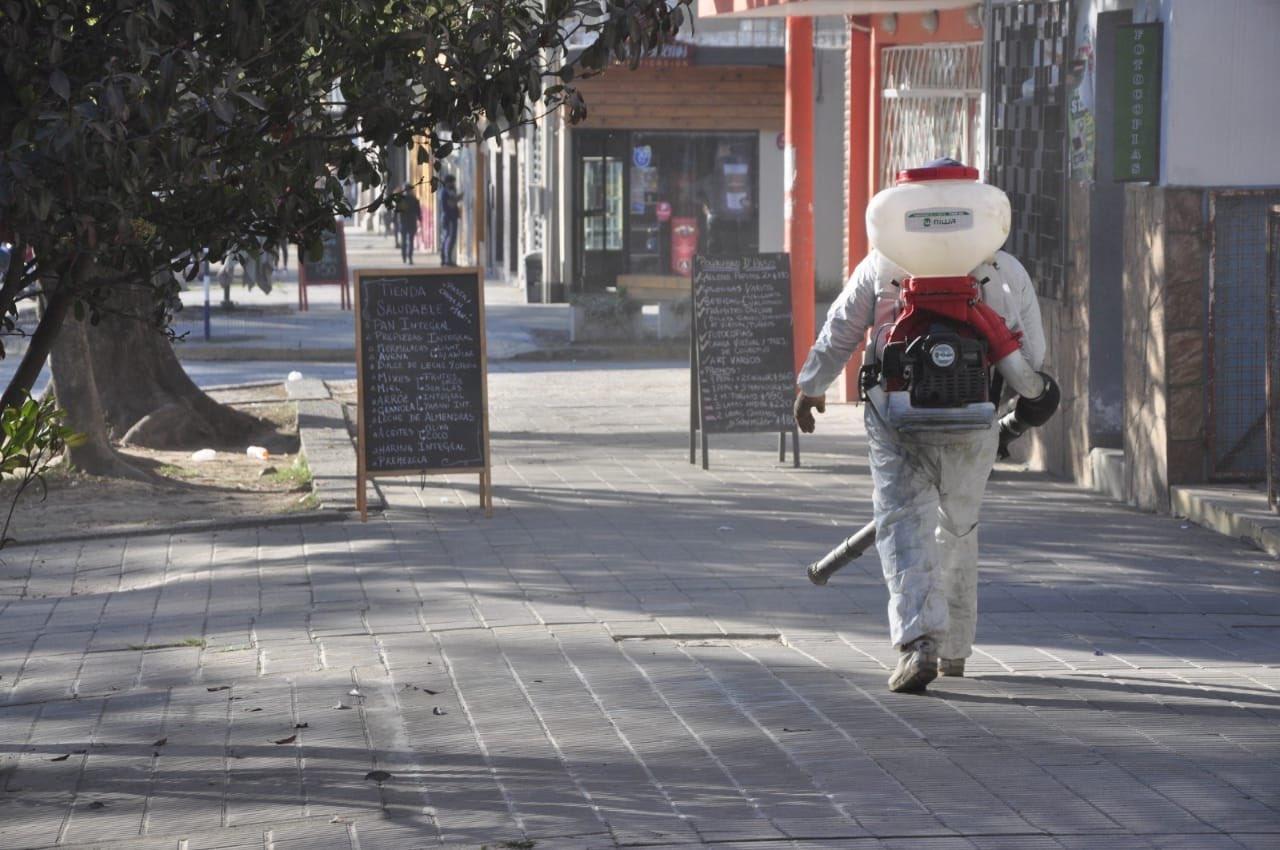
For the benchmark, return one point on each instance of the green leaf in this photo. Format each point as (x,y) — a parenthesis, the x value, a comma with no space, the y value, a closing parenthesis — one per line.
(60,84)
(223,108)
(253,100)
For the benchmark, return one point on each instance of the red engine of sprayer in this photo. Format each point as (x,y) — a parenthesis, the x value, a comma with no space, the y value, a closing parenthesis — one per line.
(942,346)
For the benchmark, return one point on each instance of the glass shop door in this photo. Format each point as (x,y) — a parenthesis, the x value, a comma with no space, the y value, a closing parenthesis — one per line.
(601,205)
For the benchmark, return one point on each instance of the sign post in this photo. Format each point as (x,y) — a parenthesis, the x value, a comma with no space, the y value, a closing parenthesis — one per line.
(421,377)
(1138,69)
(741,372)
(328,269)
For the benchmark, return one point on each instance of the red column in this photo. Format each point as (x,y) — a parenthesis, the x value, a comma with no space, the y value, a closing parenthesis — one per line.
(798,207)
(858,158)
(859,161)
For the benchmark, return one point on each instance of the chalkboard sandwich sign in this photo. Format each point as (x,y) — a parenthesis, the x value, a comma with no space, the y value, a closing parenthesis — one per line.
(421,376)
(742,376)
(330,268)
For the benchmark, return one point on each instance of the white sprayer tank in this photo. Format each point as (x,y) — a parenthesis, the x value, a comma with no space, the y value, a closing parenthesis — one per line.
(938,222)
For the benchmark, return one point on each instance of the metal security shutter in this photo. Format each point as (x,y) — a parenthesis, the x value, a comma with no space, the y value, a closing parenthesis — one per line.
(1238,333)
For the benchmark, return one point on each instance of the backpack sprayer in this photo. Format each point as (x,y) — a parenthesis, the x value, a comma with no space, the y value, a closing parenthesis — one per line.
(934,362)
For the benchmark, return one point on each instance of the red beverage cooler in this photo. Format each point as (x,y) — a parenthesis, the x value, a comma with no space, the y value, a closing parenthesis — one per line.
(684,244)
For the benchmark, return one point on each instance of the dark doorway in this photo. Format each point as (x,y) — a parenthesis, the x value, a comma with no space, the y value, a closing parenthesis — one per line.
(513,216)
(499,208)
(1106,253)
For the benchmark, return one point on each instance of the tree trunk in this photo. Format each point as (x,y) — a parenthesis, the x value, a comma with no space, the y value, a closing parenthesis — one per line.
(139,375)
(122,379)
(76,389)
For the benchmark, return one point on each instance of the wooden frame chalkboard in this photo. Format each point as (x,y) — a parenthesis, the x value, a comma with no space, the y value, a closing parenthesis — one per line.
(741,367)
(330,269)
(421,357)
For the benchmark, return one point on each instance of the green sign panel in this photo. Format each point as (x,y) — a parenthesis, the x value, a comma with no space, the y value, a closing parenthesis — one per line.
(1137,104)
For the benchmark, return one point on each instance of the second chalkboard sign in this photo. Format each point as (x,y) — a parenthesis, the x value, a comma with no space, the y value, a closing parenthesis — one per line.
(330,268)
(741,370)
(421,376)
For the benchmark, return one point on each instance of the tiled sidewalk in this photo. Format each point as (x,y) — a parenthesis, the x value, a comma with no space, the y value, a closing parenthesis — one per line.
(628,654)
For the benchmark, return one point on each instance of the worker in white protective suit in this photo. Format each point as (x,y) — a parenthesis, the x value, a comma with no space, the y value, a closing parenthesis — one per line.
(928,485)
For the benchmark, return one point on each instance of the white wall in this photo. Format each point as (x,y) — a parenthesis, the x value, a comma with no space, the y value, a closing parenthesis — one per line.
(771,192)
(1221,121)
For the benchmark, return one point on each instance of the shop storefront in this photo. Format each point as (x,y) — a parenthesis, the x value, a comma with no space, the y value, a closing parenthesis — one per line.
(647,202)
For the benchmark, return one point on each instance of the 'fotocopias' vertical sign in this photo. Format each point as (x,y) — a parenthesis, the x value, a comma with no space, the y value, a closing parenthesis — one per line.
(1139,68)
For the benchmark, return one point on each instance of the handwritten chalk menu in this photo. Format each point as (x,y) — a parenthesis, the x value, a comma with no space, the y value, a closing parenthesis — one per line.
(329,268)
(742,369)
(421,375)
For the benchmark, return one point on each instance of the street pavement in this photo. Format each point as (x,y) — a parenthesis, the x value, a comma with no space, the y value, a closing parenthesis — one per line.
(628,654)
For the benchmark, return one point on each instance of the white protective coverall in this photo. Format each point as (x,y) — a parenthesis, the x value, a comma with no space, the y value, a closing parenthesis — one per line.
(928,486)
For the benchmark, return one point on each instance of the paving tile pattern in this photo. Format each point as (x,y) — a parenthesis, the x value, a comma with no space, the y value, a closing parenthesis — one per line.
(628,654)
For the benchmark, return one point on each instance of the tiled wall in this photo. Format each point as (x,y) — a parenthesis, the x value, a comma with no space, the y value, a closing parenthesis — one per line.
(1164,281)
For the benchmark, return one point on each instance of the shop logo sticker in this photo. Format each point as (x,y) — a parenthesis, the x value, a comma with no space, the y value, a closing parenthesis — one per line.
(939,220)
(641,156)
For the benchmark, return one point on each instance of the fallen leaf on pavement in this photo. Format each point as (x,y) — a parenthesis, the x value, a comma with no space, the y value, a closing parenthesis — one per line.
(62,757)
(161,742)
(288,740)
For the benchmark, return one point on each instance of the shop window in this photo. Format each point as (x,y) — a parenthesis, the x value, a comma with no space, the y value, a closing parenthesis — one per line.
(690,193)
(648,202)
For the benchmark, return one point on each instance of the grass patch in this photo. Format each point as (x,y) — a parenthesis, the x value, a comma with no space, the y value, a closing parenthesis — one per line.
(144,647)
(168,470)
(297,475)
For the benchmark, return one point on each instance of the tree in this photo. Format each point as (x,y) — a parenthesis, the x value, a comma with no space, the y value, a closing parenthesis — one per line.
(141,137)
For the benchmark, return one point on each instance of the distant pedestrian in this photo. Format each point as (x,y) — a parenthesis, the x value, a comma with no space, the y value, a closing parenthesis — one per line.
(408,218)
(258,266)
(449,203)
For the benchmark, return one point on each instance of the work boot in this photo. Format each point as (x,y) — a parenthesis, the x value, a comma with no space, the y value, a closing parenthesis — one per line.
(917,666)
(951,666)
